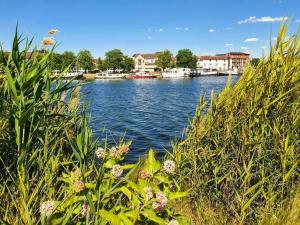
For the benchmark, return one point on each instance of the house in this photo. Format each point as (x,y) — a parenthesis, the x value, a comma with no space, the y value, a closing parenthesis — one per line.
(212,62)
(145,62)
(230,61)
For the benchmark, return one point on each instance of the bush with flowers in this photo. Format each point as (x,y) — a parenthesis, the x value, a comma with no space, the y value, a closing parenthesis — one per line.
(52,172)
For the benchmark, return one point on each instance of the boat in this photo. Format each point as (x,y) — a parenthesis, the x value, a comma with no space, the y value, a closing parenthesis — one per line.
(176,73)
(142,75)
(195,73)
(229,72)
(207,72)
(110,75)
(72,74)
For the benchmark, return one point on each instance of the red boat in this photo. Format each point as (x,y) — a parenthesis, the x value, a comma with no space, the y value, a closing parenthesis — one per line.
(142,75)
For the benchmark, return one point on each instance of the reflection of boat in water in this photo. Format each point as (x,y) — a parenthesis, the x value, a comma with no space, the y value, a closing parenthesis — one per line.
(142,75)
(110,75)
(176,73)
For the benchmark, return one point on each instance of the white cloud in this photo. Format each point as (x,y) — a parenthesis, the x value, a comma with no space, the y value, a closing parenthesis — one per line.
(264,47)
(252,40)
(298,21)
(159,30)
(149,37)
(182,28)
(211,30)
(265,19)
(228,44)
(244,48)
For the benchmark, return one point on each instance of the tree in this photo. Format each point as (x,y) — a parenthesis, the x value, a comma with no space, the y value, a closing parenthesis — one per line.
(68,59)
(254,61)
(164,60)
(85,60)
(114,59)
(100,64)
(128,64)
(56,61)
(186,59)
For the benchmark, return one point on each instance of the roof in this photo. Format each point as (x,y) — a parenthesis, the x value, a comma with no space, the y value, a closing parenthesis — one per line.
(212,57)
(147,55)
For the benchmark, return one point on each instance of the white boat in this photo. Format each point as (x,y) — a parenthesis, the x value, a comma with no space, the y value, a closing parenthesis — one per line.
(176,73)
(109,75)
(229,72)
(207,72)
(70,75)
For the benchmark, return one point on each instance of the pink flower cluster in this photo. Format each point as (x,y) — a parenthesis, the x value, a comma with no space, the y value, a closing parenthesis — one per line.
(149,193)
(160,203)
(78,186)
(118,152)
(100,153)
(47,208)
(144,174)
(117,171)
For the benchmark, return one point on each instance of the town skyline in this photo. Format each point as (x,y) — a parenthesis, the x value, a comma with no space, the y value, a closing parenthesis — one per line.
(152,26)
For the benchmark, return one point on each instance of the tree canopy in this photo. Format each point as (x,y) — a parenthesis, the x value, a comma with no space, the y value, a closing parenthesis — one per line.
(128,64)
(186,59)
(254,61)
(85,60)
(114,59)
(164,60)
(68,59)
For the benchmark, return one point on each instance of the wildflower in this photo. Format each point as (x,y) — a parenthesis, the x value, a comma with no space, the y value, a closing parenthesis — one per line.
(53,31)
(124,149)
(85,210)
(162,199)
(100,153)
(145,174)
(78,186)
(173,222)
(115,153)
(161,202)
(47,208)
(48,41)
(117,170)
(169,166)
(149,193)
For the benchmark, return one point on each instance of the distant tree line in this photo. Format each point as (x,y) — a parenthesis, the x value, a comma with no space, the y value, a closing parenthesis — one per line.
(184,59)
(116,60)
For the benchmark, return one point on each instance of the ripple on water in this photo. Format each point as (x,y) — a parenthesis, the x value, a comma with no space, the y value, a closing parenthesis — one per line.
(152,113)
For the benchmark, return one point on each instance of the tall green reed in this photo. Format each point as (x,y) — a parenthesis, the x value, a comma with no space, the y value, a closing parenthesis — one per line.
(243,153)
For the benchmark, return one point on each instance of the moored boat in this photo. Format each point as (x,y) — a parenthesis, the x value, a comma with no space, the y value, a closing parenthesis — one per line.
(142,75)
(109,75)
(176,73)
(206,72)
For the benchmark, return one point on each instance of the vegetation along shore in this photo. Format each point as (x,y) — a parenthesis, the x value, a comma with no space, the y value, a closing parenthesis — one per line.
(239,163)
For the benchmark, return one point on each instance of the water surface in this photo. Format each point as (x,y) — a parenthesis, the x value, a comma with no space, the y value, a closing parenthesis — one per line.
(152,113)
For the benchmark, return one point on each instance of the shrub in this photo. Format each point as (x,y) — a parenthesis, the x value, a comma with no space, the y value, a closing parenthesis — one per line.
(52,172)
(242,154)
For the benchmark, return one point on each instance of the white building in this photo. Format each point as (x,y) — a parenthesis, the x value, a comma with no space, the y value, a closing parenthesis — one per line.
(229,61)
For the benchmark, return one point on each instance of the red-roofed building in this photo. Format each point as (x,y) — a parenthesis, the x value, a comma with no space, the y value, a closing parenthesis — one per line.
(221,62)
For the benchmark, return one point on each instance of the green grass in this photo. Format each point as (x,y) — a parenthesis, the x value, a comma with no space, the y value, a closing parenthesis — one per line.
(241,156)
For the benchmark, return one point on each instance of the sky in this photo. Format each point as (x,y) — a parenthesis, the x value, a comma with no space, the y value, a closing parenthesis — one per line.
(137,26)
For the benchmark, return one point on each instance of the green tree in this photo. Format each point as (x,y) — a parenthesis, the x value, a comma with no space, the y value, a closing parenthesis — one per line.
(100,64)
(114,59)
(56,61)
(254,61)
(68,59)
(85,60)
(164,60)
(128,64)
(186,59)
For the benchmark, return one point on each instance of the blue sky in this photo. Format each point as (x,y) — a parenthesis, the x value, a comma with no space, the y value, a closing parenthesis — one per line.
(206,27)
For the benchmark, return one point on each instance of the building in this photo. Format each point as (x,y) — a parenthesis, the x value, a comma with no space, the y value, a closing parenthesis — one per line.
(145,61)
(230,61)
(212,62)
